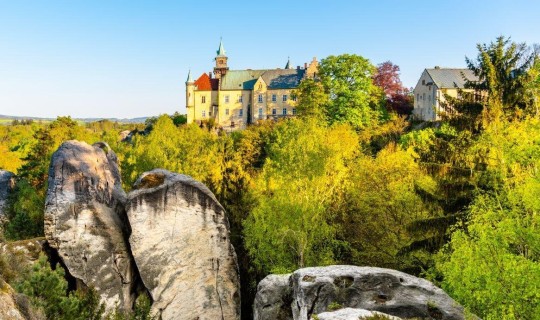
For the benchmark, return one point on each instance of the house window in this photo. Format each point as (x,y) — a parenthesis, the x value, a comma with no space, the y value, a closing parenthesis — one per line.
(274,112)
(240,98)
(284,97)
(241,113)
(294,111)
(284,111)
(203,99)
(260,113)
(227,99)
(226,112)
(423,82)
(274,98)
(260,98)
(204,114)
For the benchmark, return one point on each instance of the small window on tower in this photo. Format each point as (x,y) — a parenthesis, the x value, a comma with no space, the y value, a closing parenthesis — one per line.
(203,99)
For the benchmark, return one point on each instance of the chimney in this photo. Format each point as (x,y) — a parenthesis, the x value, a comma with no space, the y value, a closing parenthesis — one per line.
(437,67)
(210,74)
(305,65)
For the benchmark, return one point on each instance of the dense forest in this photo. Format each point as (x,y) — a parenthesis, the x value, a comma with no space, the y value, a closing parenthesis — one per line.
(353,179)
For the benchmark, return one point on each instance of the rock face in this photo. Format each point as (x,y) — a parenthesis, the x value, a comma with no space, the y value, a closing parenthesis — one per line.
(7,182)
(352,314)
(312,290)
(181,245)
(8,307)
(85,221)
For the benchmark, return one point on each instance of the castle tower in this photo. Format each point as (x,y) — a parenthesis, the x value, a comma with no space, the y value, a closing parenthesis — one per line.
(190,98)
(221,67)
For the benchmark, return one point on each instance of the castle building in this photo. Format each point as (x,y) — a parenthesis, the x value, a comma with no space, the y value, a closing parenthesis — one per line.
(236,98)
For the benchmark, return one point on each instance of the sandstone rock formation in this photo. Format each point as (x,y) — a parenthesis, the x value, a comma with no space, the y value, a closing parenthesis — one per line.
(312,290)
(7,182)
(85,220)
(8,307)
(181,245)
(352,314)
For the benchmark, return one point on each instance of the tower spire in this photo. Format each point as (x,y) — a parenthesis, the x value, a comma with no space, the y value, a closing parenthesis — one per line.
(288,65)
(189,78)
(221,50)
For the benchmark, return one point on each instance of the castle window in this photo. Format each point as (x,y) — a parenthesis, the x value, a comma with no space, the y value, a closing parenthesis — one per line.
(204,113)
(284,111)
(226,112)
(260,113)
(241,113)
(240,98)
(294,111)
(260,86)
(274,112)
(274,98)
(284,97)
(260,98)
(227,99)
(203,99)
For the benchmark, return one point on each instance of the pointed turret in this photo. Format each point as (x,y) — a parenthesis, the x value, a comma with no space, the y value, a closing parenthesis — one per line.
(189,78)
(221,67)
(288,65)
(221,50)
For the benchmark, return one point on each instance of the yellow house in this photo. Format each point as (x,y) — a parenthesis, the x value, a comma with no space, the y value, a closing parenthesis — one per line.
(432,87)
(236,98)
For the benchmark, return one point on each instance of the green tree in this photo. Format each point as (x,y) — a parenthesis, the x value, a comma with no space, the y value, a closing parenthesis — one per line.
(492,264)
(302,178)
(354,99)
(502,70)
(312,99)
(47,290)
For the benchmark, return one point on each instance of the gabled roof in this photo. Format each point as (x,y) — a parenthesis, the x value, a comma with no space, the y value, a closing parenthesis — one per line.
(205,83)
(451,78)
(240,79)
(283,78)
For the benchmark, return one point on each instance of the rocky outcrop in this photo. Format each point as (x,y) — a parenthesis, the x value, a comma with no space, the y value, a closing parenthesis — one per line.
(8,306)
(353,314)
(313,290)
(181,245)
(85,221)
(7,182)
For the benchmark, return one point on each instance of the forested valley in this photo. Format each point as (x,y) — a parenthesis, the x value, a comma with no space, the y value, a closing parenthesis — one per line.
(353,179)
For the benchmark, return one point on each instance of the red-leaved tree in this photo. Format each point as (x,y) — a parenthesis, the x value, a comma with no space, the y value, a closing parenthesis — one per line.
(398,98)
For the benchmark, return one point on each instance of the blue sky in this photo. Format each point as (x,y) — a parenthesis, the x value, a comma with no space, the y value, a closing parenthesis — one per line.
(131,58)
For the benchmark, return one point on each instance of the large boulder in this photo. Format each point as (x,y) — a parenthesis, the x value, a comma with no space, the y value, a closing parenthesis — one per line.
(7,182)
(85,221)
(181,245)
(316,290)
(354,314)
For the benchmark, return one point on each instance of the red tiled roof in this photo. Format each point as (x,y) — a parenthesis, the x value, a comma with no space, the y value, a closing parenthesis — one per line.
(205,83)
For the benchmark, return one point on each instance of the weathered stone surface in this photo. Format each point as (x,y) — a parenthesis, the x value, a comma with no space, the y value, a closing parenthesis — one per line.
(8,307)
(85,220)
(7,182)
(181,245)
(375,289)
(352,314)
(274,298)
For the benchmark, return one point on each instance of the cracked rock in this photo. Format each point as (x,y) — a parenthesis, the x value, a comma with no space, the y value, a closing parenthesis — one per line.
(85,221)
(181,244)
(313,291)
(7,182)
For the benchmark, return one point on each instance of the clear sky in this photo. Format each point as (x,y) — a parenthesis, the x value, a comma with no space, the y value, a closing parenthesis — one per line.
(115,58)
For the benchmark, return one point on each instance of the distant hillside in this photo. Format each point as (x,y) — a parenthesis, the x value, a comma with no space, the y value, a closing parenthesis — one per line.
(124,120)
